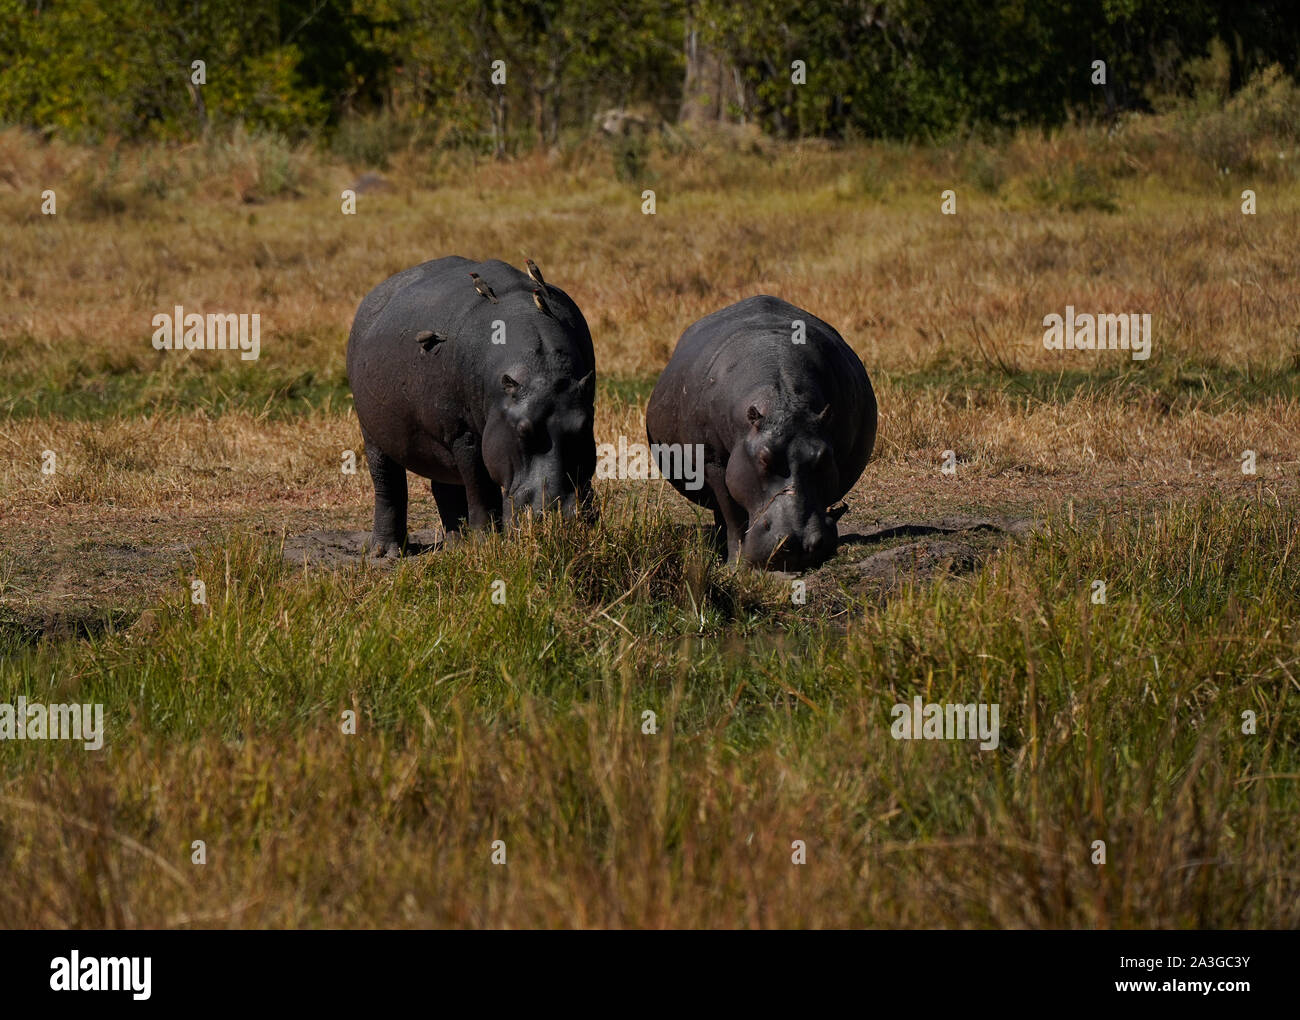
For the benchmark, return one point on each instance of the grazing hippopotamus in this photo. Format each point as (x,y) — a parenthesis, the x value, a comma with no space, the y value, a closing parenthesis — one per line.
(786,426)
(480,378)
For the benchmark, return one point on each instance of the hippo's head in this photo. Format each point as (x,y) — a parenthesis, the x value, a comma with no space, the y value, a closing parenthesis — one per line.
(783,472)
(539,445)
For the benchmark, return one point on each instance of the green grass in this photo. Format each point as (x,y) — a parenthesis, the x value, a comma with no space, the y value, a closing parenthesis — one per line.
(1180,385)
(79,388)
(83,391)
(1119,721)
(631,390)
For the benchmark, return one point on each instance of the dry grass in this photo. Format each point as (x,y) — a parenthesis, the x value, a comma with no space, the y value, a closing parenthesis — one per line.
(909,287)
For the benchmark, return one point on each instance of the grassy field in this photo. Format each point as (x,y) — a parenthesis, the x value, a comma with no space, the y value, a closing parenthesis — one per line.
(524,722)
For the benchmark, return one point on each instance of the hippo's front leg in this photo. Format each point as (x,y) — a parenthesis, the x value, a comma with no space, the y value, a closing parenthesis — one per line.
(389,535)
(733,515)
(452,506)
(482,494)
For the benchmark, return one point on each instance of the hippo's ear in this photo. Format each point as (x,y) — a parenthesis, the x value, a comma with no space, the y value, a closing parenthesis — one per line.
(754,416)
(509,385)
(587,386)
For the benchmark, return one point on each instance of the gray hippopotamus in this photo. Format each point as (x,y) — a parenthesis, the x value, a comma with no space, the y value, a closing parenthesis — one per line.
(786,417)
(482,379)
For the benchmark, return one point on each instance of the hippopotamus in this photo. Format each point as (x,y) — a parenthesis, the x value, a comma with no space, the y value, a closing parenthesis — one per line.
(482,379)
(786,417)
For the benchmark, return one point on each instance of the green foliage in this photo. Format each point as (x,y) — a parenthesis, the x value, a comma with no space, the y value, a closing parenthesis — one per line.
(897,68)
(91,71)
(370,140)
(919,68)
(1244,135)
(1081,187)
(266,93)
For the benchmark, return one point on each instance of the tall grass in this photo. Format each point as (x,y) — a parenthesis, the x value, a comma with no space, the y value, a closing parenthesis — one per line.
(524,722)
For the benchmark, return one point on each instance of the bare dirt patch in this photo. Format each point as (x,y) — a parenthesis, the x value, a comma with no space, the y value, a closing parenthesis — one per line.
(948,545)
(73,568)
(333,549)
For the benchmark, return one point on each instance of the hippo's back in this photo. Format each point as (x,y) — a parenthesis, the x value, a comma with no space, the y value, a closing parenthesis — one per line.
(758,342)
(427,350)
(428,279)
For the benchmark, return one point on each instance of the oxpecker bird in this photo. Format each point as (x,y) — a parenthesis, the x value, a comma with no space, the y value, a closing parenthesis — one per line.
(540,302)
(482,287)
(534,273)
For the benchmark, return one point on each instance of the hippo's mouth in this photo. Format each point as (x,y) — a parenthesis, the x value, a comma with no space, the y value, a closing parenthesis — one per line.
(567,501)
(789,554)
(756,517)
(802,543)
(833,512)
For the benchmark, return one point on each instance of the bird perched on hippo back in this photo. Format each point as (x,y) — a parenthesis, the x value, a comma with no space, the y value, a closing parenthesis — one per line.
(786,417)
(459,375)
(534,273)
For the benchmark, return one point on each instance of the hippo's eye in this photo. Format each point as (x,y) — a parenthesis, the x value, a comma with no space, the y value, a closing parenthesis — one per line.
(764,458)
(524,429)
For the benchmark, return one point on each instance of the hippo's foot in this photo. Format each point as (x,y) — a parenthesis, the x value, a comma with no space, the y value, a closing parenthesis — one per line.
(381,547)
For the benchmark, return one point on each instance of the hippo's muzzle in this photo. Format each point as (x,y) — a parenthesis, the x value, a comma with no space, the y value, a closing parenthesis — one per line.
(567,501)
(782,537)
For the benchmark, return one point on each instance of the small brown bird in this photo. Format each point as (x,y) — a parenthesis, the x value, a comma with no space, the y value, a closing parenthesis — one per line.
(534,273)
(482,287)
(540,302)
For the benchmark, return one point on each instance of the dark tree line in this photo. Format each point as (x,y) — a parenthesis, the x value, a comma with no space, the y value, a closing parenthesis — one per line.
(892,68)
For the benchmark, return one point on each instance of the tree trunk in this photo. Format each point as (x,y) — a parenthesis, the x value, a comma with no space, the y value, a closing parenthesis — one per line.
(711,85)
(200,108)
(499,124)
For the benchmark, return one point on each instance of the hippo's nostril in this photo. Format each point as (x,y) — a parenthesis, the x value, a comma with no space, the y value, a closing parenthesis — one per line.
(821,546)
